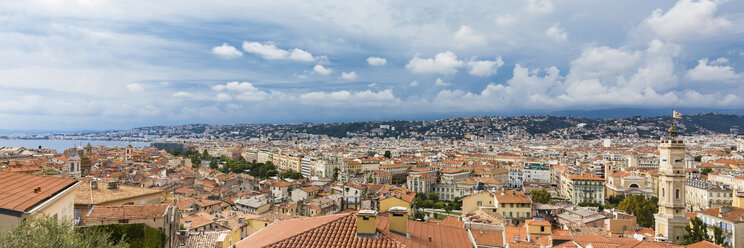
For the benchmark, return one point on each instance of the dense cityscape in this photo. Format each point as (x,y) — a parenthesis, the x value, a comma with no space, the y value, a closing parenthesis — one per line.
(298,189)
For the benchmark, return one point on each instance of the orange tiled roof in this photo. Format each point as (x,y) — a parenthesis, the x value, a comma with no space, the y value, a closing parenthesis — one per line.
(128,211)
(704,244)
(734,214)
(489,238)
(325,231)
(18,191)
(511,196)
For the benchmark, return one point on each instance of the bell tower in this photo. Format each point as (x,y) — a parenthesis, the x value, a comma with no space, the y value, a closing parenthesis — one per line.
(671,219)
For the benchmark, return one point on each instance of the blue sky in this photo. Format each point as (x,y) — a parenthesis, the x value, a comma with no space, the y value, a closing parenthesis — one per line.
(99,64)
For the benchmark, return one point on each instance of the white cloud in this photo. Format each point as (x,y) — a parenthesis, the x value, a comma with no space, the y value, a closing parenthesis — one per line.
(301,55)
(484,67)
(413,83)
(223,97)
(539,6)
(687,19)
(556,33)
(322,70)
(252,95)
(440,82)
(372,85)
(603,62)
(269,51)
(182,94)
(344,98)
(246,91)
(226,51)
(349,75)
(235,86)
(376,61)
(466,37)
(135,88)
(442,63)
(714,71)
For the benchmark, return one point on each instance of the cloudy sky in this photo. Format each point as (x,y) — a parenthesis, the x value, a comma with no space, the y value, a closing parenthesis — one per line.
(100,64)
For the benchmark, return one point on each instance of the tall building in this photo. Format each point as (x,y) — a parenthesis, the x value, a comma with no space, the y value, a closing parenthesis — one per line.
(128,153)
(671,219)
(74,164)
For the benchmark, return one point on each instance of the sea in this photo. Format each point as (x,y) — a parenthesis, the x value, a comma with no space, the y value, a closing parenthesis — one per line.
(61,145)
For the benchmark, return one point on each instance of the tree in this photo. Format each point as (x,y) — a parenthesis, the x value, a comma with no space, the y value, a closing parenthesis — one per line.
(540,196)
(46,231)
(615,199)
(706,170)
(205,154)
(696,232)
(419,215)
(195,162)
(698,158)
(369,179)
(718,236)
(434,197)
(427,204)
(388,154)
(335,174)
(644,209)
(440,205)
(291,174)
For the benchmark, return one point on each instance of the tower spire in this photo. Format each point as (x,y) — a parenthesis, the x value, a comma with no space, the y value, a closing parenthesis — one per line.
(672,130)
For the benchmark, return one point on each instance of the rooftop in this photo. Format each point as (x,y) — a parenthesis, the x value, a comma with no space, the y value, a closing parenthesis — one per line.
(128,211)
(85,195)
(23,192)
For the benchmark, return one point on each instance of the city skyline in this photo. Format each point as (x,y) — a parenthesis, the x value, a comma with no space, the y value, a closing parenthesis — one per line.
(75,65)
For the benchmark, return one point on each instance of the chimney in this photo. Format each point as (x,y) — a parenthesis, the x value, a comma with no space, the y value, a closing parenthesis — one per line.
(366,223)
(399,220)
(113,185)
(37,189)
(241,220)
(187,224)
(725,209)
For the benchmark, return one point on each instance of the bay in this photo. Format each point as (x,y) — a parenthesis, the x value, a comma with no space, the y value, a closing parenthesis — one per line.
(61,145)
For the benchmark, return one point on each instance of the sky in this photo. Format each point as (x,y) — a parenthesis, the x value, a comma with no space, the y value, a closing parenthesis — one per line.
(101,65)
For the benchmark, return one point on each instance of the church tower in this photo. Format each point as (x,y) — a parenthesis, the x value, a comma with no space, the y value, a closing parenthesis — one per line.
(671,219)
(73,164)
(128,153)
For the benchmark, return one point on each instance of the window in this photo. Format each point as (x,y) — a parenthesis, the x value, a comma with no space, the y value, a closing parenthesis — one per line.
(542,229)
(676,193)
(480,203)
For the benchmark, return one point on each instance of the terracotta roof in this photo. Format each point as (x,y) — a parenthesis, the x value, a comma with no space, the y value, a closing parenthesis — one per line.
(452,221)
(128,211)
(22,192)
(441,235)
(84,194)
(196,221)
(704,244)
(511,196)
(585,177)
(325,231)
(489,238)
(732,214)
(619,174)
(340,231)
(535,222)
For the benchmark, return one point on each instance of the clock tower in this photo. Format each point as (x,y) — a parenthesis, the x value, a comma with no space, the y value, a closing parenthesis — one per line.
(671,219)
